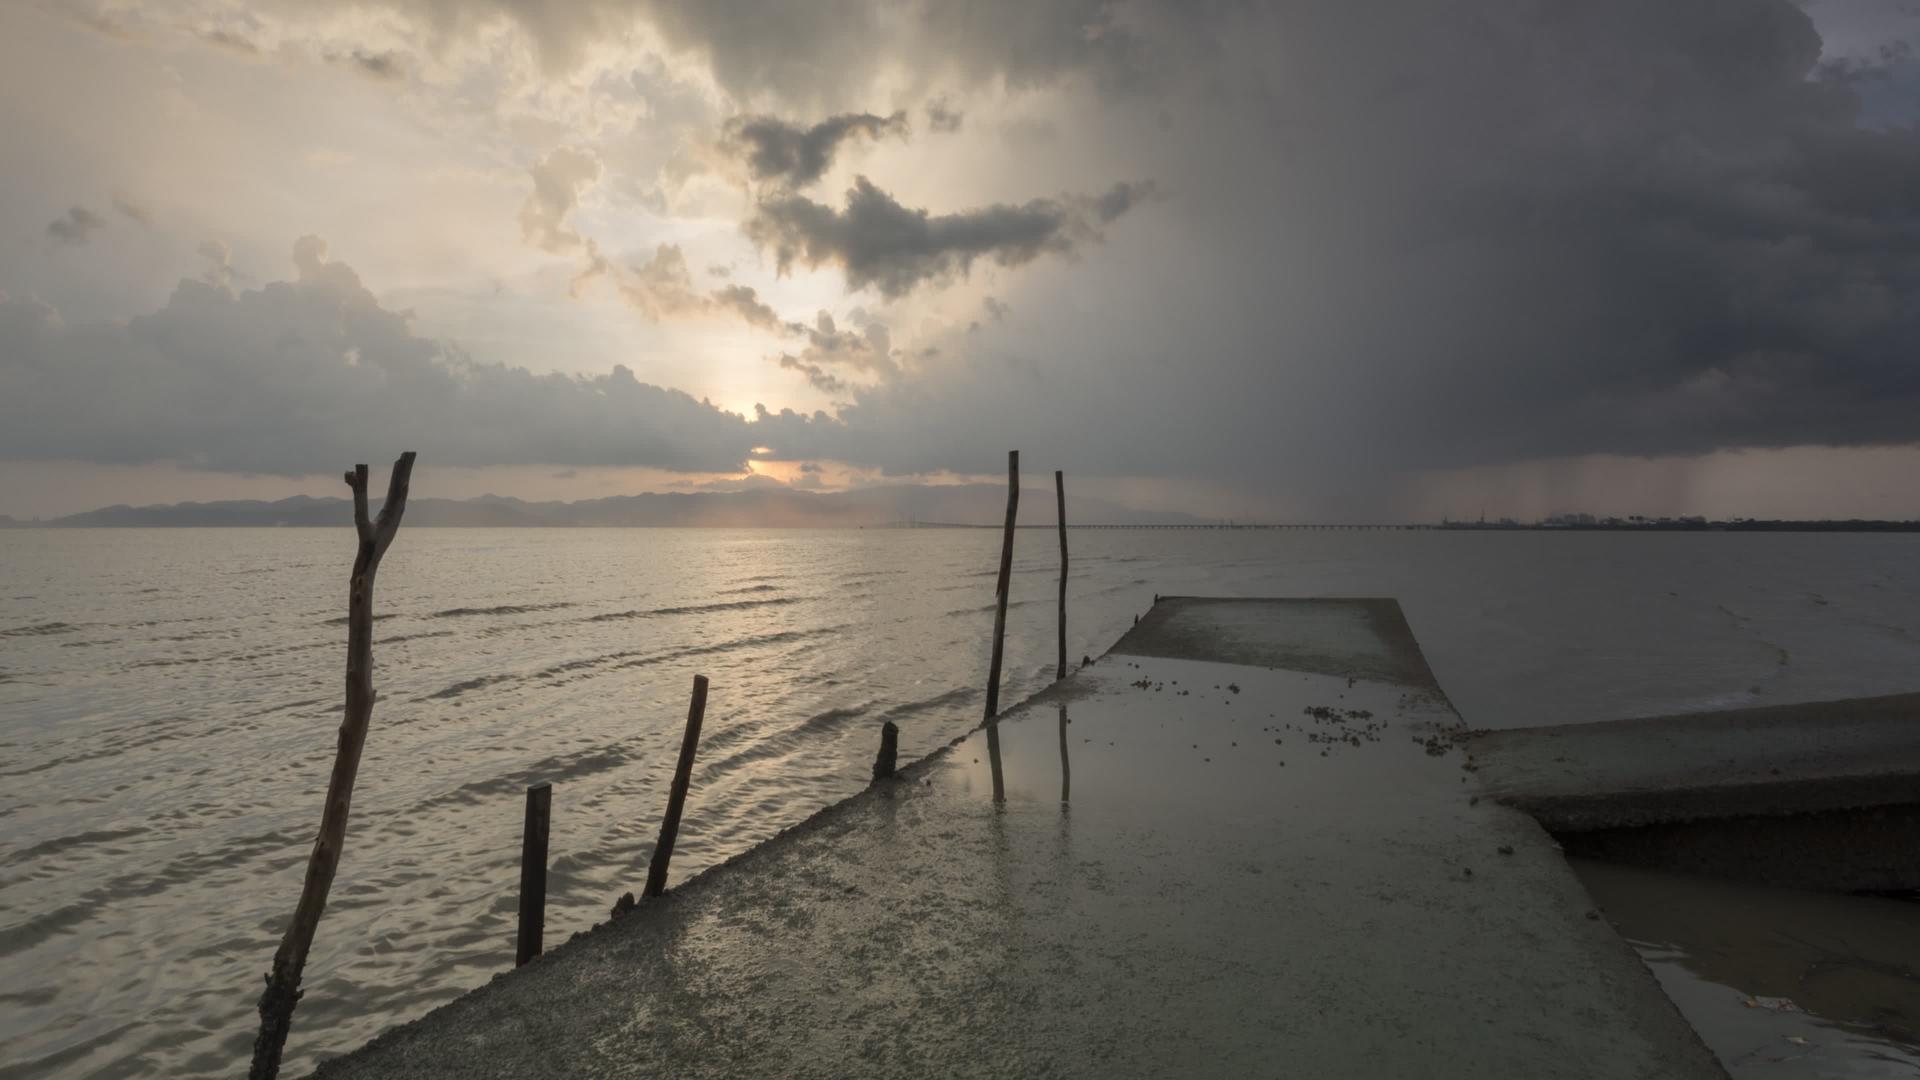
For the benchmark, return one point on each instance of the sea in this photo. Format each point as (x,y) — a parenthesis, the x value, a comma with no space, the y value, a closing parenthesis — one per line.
(169,701)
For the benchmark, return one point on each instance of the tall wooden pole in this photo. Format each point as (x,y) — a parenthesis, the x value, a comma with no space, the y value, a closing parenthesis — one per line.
(283,983)
(1006,574)
(1060,496)
(533,874)
(677,797)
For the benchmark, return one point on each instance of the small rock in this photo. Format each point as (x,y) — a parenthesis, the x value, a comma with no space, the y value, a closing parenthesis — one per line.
(1506,849)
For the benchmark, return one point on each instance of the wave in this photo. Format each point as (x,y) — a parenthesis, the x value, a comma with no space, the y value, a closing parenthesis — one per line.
(65,843)
(503,609)
(185,869)
(459,688)
(553,770)
(691,609)
(40,630)
(342,620)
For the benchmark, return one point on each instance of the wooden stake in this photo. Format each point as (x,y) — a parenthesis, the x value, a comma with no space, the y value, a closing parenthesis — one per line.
(1060,496)
(533,873)
(283,983)
(677,797)
(889,751)
(1000,591)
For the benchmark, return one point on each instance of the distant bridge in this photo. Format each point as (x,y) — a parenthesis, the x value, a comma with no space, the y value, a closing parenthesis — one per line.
(1163,525)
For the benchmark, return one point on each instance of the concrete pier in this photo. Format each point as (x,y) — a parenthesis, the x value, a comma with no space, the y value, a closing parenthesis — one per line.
(1246,842)
(1817,796)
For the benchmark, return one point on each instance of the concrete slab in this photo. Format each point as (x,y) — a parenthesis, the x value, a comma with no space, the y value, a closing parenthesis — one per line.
(1163,866)
(1773,761)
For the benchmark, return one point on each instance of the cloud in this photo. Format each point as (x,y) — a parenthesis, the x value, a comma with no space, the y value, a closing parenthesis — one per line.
(558,180)
(662,288)
(817,376)
(219,263)
(1391,237)
(132,211)
(384,66)
(942,118)
(878,242)
(303,376)
(777,151)
(75,226)
(829,348)
(744,301)
(813,52)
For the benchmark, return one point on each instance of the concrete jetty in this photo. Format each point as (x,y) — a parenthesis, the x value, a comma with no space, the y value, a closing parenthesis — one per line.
(1823,795)
(1247,841)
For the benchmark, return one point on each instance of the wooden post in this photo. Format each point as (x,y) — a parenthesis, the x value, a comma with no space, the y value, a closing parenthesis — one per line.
(677,797)
(533,873)
(1006,574)
(889,751)
(1060,496)
(290,960)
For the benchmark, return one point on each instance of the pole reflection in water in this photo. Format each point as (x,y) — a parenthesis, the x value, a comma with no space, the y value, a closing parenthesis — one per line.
(993,759)
(1066,768)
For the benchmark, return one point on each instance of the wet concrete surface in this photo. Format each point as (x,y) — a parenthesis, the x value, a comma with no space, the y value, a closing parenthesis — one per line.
(1164,866)
(1777,760)
(1368,638)
(1786,983)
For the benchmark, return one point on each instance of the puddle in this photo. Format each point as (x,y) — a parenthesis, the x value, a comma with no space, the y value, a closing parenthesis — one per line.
(1779,982)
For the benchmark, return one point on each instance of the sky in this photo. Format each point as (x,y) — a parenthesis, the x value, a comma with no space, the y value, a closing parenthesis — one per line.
(1297,260)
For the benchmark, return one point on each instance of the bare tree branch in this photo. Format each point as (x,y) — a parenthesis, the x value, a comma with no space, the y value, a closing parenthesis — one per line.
(283,982)
(357,480)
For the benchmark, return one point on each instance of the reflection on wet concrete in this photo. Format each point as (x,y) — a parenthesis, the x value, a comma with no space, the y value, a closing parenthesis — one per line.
(1779,982)
(993,759)
(1066,765)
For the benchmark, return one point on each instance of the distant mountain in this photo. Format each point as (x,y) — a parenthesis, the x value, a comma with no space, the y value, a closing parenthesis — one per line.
(902,504)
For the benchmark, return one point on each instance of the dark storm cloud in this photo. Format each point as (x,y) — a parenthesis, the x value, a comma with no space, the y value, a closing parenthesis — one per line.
(302,376)
(1394,236)
(878,242)
(1438,236)
(808,52)
(785,153)
(75,226)
(813,53)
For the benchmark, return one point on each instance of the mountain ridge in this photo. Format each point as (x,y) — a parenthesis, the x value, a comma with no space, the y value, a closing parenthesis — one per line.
(879,506)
